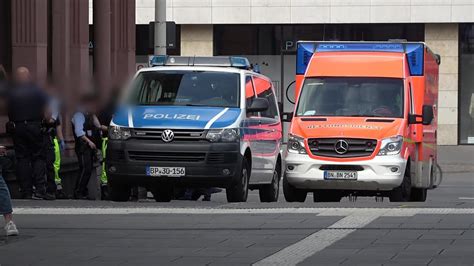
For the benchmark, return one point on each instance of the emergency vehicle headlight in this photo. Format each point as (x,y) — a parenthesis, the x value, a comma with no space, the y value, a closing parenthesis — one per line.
(223,135)
(391,146)
(119,133)
(296,144)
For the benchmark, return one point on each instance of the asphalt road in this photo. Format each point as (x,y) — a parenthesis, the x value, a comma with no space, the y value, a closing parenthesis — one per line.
(365,232)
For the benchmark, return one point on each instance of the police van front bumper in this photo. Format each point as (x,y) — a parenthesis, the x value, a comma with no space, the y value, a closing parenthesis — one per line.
(205,163)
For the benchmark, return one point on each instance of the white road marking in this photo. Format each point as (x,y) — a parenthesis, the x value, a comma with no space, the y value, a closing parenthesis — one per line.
(214,119)
(318,241)
(354,218)
(319,211)
(466,198)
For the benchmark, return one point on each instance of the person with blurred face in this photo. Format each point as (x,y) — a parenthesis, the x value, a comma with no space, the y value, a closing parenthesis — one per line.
(54,144)
(27,108)
(86,130)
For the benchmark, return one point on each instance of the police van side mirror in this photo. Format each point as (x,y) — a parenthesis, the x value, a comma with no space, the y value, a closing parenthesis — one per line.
(287,117)
(258,105)
(427,116)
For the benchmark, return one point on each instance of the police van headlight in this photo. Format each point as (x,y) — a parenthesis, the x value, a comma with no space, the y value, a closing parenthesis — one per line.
(296,144)
(391,146)
(223,135)
(119,133)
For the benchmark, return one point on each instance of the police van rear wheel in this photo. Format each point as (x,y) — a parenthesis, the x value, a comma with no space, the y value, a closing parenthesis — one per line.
(291,193)
(269,193)
(119,192)
(239,192)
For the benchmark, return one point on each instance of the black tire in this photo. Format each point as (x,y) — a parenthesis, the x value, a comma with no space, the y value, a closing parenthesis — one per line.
(163,193)
(403,192)
(418,194)
(327,196)
(119,192)
(269,193)
(239,191)
(291,193)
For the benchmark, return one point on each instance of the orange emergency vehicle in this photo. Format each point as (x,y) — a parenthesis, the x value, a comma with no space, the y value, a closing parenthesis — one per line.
(364,122)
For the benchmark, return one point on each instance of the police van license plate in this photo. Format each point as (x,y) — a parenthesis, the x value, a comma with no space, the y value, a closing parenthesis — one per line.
(340,175)
(165,171)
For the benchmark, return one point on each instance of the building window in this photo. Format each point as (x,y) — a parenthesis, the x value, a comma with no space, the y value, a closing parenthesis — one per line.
(272,39)
(466,83)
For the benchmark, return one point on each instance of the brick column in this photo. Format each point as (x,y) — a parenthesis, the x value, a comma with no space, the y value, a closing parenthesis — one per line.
(30,36)
(123,40)
(102,48)
(443,39)
(78,79)
(197,40)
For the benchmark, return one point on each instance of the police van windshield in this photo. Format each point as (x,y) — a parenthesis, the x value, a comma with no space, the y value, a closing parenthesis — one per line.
(358,97)
(186,88)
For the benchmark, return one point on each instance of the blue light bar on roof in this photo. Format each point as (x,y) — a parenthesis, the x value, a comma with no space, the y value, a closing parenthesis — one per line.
(239,62)
(303,55)
(158,60)
(360,47)
(415,56)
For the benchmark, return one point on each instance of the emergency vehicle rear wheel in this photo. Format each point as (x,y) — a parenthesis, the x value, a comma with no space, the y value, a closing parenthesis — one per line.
(291,193)
(163,193)
(327,196)
(239,192)
(119,192)
(269,193)
(418,194)
(403,192)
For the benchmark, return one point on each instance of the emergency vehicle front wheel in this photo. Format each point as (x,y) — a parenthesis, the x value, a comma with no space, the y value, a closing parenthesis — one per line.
(239,191)
(291,193)
(119,192)
(327,196)
(403,192)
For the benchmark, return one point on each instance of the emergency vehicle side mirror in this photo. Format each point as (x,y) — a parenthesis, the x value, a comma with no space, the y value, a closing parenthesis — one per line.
(258,105)
(427,115)
(287,117)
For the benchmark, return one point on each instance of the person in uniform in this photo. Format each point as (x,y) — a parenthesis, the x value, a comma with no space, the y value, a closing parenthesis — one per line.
(27,108)
(87,136)
(54,144)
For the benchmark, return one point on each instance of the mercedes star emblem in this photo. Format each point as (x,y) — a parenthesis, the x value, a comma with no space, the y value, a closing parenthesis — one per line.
(341,146)
(167,135)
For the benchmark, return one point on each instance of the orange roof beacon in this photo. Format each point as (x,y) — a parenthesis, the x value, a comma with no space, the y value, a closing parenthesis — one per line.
(364,122)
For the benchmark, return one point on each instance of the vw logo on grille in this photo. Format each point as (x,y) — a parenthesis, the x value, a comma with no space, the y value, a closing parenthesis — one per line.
(167,135)
(341,146)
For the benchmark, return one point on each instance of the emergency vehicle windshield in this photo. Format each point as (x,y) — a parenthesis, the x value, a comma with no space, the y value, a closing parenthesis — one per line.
(186,88)
(351,96)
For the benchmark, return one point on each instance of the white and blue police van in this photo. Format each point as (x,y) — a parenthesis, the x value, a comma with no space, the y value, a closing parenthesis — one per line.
(196,122)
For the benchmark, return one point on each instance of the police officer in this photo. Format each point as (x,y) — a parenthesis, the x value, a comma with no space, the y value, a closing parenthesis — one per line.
(54,143)
(87,130)
(27,108)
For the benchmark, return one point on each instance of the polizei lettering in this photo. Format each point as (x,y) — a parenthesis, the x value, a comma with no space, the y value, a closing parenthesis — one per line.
(171,116)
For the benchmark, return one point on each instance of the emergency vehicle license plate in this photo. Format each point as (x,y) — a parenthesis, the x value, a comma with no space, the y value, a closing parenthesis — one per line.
(339,175)
(165,171)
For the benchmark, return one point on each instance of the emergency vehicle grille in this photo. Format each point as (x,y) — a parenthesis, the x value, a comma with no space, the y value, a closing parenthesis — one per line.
(167,156)
(331,147)
(215,158)
(179,134)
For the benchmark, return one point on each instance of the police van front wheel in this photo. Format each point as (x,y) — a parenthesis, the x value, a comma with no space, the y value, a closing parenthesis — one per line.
(119,192)
(239,191)
(291,193)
